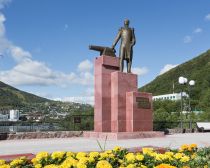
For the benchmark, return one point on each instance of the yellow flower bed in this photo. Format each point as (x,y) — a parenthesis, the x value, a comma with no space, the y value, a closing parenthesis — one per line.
(188,156)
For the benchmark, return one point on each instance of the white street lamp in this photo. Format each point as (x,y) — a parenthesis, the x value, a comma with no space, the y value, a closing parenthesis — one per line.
(182,81)
(191,83)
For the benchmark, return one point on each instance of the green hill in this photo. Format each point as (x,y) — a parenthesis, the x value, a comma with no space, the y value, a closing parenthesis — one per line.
(12,97)
(197,69)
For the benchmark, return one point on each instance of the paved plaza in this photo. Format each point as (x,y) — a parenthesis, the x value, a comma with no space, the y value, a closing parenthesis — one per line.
(84,144)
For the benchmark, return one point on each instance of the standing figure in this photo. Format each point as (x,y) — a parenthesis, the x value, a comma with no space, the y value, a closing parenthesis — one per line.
(128,40)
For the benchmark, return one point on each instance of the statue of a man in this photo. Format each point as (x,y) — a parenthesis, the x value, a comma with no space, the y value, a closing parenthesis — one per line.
(128,40)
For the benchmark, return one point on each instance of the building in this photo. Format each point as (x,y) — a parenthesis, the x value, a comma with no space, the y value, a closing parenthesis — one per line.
(173,96)
(14,115)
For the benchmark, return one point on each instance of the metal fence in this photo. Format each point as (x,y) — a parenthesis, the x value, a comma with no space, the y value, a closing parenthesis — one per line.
(78,123)
(73,123)
(164,125)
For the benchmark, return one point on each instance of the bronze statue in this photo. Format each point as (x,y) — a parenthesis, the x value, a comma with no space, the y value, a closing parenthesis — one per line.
(128,40)
(103,50)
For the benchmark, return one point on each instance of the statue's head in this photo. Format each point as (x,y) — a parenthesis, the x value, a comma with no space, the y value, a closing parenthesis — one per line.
(126,22)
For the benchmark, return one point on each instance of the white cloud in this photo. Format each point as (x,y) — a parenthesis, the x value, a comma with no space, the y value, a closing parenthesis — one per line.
(19,54)
(166,68)
(28,71)
(85,65)
(139,71)
(187,39)
(198,30)
(4,3)
(207,17)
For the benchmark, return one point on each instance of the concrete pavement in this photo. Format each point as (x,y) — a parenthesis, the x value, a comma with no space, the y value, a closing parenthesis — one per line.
(84,144)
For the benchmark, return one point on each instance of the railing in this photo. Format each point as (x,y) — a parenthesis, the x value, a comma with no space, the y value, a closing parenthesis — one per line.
(78,123)
(164,125)
(74,123)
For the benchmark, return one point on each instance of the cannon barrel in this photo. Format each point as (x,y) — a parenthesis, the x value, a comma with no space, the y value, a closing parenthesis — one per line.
(96,48)
(103,50)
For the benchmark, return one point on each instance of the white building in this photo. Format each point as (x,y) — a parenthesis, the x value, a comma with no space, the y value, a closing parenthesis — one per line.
(14,115)
(173,96)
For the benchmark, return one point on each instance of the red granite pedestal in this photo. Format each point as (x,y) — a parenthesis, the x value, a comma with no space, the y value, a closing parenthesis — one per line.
(139,112)
(104,66)
(120,111)
(120,84)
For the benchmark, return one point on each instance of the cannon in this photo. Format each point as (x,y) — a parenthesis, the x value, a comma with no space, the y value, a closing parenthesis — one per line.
(103,50)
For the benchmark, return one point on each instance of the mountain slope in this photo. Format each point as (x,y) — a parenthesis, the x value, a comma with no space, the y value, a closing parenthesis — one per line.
(10,96)
(197,69)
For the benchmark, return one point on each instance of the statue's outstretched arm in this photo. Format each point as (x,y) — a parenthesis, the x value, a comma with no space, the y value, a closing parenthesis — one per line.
(116,39)
(133,38)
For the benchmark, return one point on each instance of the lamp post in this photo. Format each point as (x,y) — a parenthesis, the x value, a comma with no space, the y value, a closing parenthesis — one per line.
(191,83)
(182,81)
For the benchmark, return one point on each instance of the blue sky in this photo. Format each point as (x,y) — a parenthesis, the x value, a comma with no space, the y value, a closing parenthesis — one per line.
(45,43)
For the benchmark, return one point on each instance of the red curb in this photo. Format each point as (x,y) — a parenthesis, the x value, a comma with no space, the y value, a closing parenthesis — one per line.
(11,157)
(139,149)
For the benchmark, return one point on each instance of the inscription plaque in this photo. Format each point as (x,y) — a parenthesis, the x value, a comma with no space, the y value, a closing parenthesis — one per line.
(143,103)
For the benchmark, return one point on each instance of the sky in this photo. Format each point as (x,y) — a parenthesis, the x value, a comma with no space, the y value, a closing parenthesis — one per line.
(44,44)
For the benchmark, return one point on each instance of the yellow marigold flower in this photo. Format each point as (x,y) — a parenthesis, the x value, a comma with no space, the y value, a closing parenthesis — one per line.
(51,166)
(70,154)
(184,147)
(69,162)
(34,161)
(185,159)
(149,151)
(108,151)
(104,155)
(169,153)
(131,166)
(161,157)
(178,155)
(91,159)
(80,155)
(193,146)
(165,166)
(83,160)
(117,148)
(4,166)
(139,157)
(38,166)
(130,157)
(94,154)
(16,162)
(42,155)
(81,165)
(58,155)
(2,162)
(103,164)
(111,155)
(142,166)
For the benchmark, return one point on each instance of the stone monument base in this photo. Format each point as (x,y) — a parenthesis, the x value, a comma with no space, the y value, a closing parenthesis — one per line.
(122,135)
